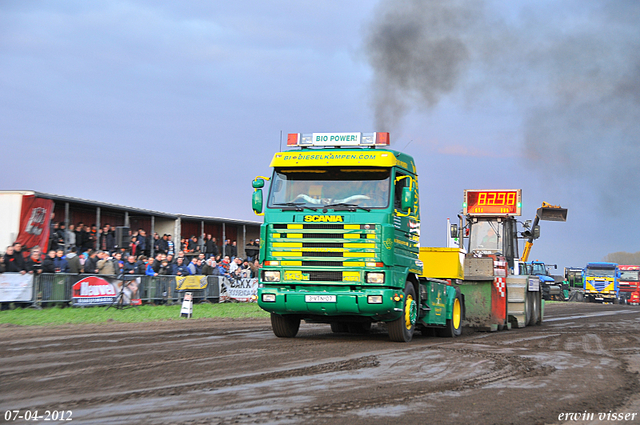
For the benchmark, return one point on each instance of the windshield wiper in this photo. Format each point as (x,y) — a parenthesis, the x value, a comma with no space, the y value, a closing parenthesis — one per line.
(347,207)
(294,206)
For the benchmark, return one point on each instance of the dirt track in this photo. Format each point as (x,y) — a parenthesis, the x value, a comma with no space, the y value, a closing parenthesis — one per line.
(585,357)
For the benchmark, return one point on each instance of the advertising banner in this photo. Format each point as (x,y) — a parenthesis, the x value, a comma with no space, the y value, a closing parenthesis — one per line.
(16,287)
(245,290)
(95,290)
(35,218)
(193,282)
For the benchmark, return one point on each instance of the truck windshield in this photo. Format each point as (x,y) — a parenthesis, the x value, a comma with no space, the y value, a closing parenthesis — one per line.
(486,236)
(539,269)
(629,275)
(330,186)
(598,272)
(574,277)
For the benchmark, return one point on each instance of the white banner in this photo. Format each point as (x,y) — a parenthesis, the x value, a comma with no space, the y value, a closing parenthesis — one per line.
(245,289)
(15,287)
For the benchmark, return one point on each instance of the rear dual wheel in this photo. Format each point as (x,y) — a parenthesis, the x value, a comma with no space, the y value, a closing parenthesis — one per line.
(453,326)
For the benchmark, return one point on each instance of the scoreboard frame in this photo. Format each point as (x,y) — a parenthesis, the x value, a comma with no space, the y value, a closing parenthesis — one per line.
(501,202)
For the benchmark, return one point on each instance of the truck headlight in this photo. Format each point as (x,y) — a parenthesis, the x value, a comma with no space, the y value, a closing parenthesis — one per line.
(269,298)
(375,277)
(271,276)
(374,299)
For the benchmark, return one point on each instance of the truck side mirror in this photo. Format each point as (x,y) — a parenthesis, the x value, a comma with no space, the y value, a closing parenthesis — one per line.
(258,183)
(256,201)
(407,199)
(453,231)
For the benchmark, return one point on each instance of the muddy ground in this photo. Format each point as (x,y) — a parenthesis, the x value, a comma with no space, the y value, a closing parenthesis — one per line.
(584,358)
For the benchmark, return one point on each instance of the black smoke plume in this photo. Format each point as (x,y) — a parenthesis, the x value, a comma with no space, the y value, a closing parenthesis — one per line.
(571,68)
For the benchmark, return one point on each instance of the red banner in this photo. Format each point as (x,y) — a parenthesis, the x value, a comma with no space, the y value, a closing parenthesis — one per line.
(35,219)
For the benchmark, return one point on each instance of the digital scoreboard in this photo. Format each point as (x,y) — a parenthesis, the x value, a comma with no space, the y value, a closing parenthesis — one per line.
(492,202)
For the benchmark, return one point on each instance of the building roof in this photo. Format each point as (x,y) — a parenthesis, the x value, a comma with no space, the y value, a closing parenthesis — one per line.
(110,206)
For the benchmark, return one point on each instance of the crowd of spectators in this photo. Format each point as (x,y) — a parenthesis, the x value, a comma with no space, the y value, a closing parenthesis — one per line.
(94,251)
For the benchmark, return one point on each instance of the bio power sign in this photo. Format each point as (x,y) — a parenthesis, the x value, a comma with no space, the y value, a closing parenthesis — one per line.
(332,139)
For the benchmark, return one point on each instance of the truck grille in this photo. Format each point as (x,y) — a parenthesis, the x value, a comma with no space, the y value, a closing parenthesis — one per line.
(321,245)
(319,276)
(322,254)
(313,226)
(598,284)
(322,263)
(315,248)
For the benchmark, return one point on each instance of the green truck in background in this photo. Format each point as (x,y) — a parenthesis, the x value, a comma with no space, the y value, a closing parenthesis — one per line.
(340,240)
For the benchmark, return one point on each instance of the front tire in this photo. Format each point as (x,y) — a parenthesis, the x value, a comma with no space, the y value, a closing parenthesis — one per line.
(401,329)
(285,326)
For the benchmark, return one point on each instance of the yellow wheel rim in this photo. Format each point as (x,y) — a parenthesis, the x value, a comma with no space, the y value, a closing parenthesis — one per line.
(457,314)
(410,312)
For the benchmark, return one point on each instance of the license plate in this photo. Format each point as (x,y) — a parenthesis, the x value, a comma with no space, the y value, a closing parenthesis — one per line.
(320,298)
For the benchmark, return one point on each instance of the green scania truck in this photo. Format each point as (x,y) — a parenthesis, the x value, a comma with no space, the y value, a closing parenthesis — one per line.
(340,240)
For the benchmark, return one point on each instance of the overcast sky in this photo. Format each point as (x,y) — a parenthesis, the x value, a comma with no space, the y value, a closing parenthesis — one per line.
(176,106)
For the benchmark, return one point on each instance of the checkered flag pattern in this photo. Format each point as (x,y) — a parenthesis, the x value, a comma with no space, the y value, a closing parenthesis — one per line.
(501,286)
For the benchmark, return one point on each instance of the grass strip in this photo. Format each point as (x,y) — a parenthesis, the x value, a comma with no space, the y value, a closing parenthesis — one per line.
(145,313)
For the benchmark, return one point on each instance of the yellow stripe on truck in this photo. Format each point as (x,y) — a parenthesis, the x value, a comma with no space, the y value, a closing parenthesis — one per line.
(287,244)
(287,254)
(359,245)
(360,254)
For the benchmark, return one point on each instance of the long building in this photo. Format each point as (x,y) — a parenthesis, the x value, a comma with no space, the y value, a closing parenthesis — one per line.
(20,209)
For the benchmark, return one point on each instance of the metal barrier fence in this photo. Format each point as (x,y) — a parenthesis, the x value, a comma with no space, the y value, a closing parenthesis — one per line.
(48,289)
(51,289)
